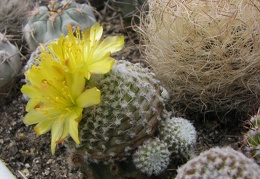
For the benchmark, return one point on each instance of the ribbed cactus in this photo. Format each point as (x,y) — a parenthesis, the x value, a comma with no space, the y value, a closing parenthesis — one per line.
(48,23)
(252,137)
(152,157)
(179,134)
(130,110)
(10,63)
(220,163)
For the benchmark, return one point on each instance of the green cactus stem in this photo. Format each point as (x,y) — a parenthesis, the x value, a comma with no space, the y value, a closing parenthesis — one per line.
(129,113)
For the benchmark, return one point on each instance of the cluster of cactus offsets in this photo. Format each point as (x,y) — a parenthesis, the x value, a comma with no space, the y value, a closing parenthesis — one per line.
(179,134)
(152,157)
(220,163)
(49,22)
(130,110)
(10,63)
(252,137)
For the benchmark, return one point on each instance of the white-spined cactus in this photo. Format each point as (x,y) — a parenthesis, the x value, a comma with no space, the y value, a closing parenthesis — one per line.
(10,63)
(219,163)
(129,113)
(152,157)
(49,22)
(179,134)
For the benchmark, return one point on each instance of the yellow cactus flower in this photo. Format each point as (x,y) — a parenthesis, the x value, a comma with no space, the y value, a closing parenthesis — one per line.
(57,99)
(85,52)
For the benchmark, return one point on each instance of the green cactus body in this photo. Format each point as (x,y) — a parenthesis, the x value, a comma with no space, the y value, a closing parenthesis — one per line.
(10,63)
(129,113)
(253,136)
(179,134)
(219,163)
(48,23)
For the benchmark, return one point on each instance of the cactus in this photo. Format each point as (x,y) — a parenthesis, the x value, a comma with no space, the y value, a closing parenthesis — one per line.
(10,63)
(252,137)
(152,157)
(48,23)
(219,163)
(179,134)
(129,113)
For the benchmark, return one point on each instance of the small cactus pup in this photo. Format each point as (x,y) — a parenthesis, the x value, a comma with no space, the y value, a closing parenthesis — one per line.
(252,137)
(49,22)
(219,163)
(57,82)
(10,64)
(129,113)
(179,134)
(152,157)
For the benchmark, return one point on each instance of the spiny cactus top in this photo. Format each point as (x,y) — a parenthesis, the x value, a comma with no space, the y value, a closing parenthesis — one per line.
(57,82)
(10,63)
(129,113)
(48,23)
(179,134)
(152,157)
(220,163)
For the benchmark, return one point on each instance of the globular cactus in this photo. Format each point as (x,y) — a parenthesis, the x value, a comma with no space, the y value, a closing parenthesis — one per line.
(10,64)
(152,157)
(49,22)
(219,163)
(179,134)
(13,16)
(252,137)
(130,110)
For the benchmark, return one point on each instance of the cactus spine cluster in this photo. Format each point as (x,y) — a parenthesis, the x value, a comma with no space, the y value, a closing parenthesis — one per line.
(129,113)
(219,163)
(10,63)
(48,23)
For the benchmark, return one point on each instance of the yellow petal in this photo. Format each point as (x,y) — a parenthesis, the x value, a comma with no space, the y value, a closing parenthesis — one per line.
(88,98)
(95,33)
(76,82)
(74,131)
(32,103)
(33,117)
(102,67)
(111,44)
(56,132)
(30,91)
(43,126)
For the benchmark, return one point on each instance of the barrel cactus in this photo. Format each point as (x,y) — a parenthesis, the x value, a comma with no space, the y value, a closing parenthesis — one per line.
(10,63)
(129,113)
(219,163)
(48,22)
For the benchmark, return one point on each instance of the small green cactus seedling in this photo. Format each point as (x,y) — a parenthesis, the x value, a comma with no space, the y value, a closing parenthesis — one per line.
(219,163)
(48,23)
(152,157)
(179,134)
(252,137)
(130,110)
(10,63)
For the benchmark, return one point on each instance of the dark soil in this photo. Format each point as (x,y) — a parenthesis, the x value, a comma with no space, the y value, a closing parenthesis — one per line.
(29,156)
